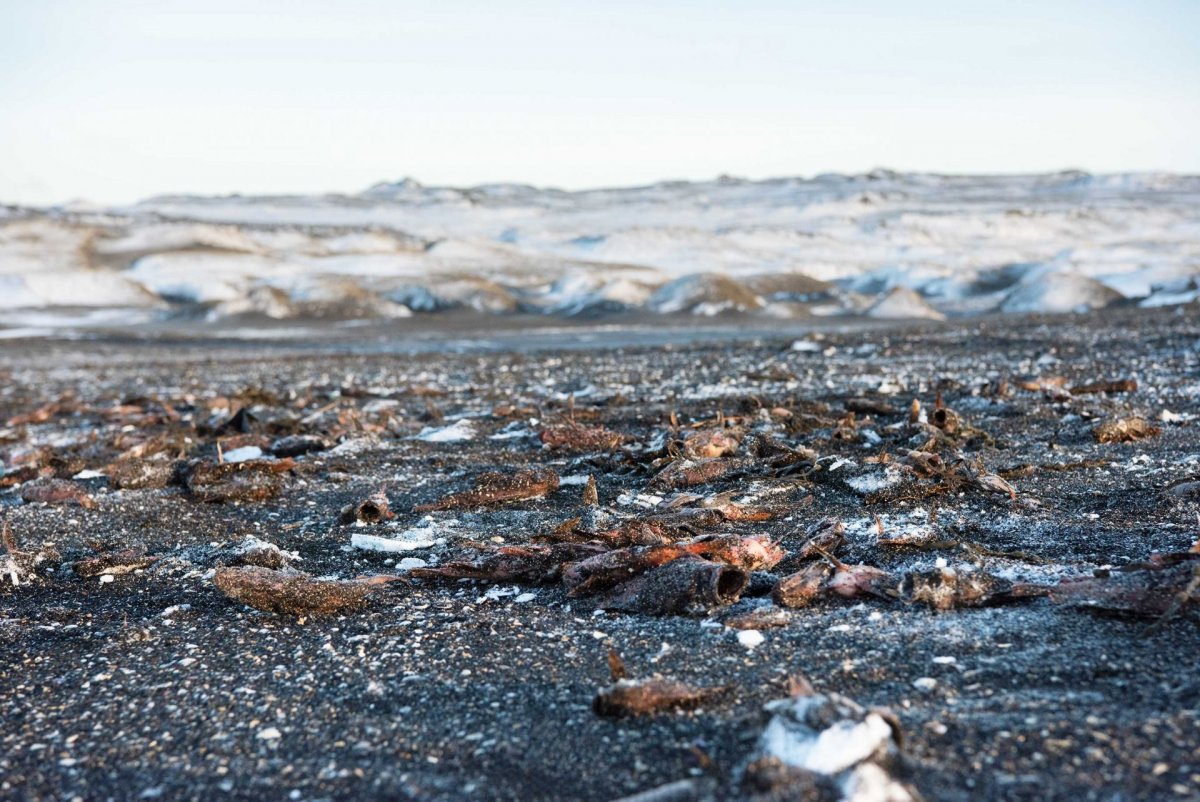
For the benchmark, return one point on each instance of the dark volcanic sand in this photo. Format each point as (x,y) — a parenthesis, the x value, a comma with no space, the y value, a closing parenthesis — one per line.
(437,692)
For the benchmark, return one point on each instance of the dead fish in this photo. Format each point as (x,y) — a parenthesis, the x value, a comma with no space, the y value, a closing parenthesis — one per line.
(685,586)
(993,483)
(711,443)
(946,419)
(138,474)
(947,588)
(250,480)
(869,406)
(851,581)
(689,473)
(924,463)
(1117,386)
(749,552)
(1151,592)
(610,568)
(498,488)
(591,495)
(290,592)
(57,491)
(114,563)
(299,444)
(801,588)
(371,510)
(761,618)
(1124,430)
(824,537)
(533,564)
(629,697)
(578,437)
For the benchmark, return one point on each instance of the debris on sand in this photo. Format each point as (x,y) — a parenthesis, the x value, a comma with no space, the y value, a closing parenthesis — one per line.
(114,562)
(1124,430)
(1115,386)
(252,480)
(641,697)
(371,510)
(291,592)
(18,567)
(493,488)
(687,586)
(577,437)
(826,746)
(57,491)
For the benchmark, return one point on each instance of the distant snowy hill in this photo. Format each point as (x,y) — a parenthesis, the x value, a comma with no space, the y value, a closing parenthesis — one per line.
(883,244)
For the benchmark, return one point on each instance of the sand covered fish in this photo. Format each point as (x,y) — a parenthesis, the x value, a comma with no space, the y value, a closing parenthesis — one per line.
(803,587)
(248,480)
(686,586)
(630,697)
(577,437)
(824,537)
(1157,589)
(535,564)
(56,492)
(371,510)
(291,592)
(493,488)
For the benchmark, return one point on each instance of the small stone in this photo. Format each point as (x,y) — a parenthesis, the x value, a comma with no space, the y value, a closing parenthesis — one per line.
(750,638)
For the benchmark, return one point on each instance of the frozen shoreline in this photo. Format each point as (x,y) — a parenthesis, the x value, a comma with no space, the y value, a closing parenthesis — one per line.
(883,245)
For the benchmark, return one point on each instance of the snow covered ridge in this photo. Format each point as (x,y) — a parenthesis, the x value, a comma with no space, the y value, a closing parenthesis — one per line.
(884,244)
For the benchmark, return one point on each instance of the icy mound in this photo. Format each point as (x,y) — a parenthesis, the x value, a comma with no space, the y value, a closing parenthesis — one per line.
(703,294)
(1060,292)
(903,304)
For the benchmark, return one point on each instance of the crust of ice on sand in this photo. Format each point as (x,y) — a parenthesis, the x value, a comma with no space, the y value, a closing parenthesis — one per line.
(426,534)
(875,481)
(458,432)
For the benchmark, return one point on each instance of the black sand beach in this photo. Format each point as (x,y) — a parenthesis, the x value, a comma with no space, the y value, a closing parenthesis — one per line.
(153,684)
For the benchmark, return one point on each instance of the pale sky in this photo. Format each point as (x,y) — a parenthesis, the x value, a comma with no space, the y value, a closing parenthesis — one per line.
(119,100)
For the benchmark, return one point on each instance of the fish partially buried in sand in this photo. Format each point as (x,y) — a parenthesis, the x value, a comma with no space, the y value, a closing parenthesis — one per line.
(493,488)
(291,592)
(640,697)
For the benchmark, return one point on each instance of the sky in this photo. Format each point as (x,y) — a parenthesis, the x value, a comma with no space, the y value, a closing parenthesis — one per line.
(120,100)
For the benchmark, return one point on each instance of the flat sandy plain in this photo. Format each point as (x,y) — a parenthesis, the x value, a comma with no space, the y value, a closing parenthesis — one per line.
(155,685)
